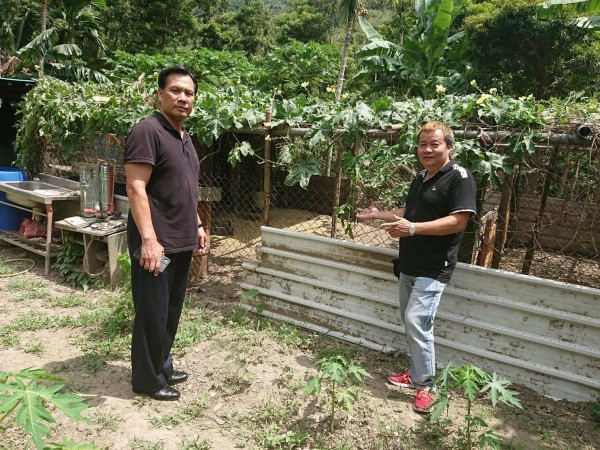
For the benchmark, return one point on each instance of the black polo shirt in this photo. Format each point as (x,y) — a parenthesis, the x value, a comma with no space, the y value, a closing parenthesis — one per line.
(449,191)
(173,185)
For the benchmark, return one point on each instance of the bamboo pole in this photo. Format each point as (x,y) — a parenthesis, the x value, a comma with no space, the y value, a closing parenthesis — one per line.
(267,177)
(550,139)
(530,246)
(338,184)
(502,221)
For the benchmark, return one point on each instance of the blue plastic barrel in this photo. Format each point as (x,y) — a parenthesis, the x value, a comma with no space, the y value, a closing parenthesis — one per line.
(10,218)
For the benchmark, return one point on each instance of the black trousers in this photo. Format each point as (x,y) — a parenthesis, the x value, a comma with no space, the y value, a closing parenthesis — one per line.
(158,301)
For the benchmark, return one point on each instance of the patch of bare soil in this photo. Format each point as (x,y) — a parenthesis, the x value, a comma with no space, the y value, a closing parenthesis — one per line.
(246,383)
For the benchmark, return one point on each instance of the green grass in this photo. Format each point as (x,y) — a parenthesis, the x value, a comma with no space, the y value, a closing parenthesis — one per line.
(37,321)
(196,443)
(66,301)
(196,408)
(168,420)
(26,284)
(36,348)
(141,444)
(105,420)
(13,267)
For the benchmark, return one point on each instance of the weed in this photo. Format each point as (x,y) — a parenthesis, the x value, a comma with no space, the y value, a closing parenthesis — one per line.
(93,362)
(31,322)
(35,294)
(141,444)
(69,263)
(290,380)
(32,289)
(269,438)
(341,379)
(197,407)
(168,420)
(106,420)
(26,284)
(194,330)
(236,382)
(37,321)
(596,412)
(14,266)
(69,444)
(65,301)
(196,443)
(275,420)
(35,348)
(141,400)
(10,339)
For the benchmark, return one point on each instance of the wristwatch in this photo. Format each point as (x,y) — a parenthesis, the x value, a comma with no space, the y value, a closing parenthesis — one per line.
(411,229)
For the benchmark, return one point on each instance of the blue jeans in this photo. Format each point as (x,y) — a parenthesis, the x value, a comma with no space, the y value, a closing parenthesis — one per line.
(419,300)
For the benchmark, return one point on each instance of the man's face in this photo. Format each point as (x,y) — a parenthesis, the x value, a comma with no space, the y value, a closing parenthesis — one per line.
(433,151)
(177,98)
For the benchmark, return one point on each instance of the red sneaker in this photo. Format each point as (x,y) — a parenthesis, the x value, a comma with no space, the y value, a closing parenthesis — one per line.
(403,380)
(423,401)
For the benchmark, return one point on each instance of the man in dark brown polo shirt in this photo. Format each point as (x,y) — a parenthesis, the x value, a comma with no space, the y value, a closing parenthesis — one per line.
(162,170)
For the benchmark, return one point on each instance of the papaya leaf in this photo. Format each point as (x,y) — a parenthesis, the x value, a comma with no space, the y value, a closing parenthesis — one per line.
(498,391)
(31,401)
(302,170)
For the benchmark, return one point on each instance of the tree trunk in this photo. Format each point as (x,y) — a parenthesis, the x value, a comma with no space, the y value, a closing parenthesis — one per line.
(340,82)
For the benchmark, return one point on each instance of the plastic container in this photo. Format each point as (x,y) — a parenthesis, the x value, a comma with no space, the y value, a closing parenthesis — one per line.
(10,218)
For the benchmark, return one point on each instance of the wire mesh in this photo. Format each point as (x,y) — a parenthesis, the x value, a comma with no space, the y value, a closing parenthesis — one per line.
(543,220)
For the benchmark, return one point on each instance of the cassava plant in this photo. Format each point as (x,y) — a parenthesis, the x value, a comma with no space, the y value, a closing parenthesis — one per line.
(473,382)
(340,380)
(30,393)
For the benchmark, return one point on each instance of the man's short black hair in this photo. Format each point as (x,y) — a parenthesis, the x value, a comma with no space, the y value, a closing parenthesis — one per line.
(180,70)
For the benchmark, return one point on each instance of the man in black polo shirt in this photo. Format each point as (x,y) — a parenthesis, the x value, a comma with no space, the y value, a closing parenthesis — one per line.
(430,226)
(162,169)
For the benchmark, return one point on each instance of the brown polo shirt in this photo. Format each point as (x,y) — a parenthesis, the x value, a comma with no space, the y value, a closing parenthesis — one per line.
(173,186)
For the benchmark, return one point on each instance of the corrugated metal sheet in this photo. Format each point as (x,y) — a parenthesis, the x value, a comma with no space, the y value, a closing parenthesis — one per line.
(536,332)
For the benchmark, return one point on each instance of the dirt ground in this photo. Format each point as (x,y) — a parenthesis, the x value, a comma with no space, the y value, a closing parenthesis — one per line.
(239,379)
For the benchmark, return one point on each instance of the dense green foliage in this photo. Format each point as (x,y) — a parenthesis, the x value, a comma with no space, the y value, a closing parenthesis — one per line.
(511,49)
(307,20)
(511,45)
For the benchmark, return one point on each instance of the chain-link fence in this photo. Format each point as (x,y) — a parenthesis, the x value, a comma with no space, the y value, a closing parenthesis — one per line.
(543,220)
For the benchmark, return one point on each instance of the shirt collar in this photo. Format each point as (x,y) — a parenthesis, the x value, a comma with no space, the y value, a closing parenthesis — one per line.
(167,125)
(447,168)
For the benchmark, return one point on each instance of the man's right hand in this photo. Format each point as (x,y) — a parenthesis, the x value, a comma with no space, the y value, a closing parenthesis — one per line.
(151,256)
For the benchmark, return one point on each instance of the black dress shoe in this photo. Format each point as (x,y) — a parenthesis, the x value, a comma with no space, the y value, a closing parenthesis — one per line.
(166,393)
(177,377)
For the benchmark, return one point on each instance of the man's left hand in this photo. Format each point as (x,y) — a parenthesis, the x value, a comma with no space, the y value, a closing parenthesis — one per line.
(203,242)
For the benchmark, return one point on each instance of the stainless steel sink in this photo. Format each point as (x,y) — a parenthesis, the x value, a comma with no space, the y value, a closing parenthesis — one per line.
(37,191)
(34,186)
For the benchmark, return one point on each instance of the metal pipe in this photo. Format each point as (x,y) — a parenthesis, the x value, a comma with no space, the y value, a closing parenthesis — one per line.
(583,131)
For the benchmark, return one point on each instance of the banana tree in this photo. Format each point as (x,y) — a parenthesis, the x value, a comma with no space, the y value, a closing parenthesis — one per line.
(54,50)
(588,12)
(424,59)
